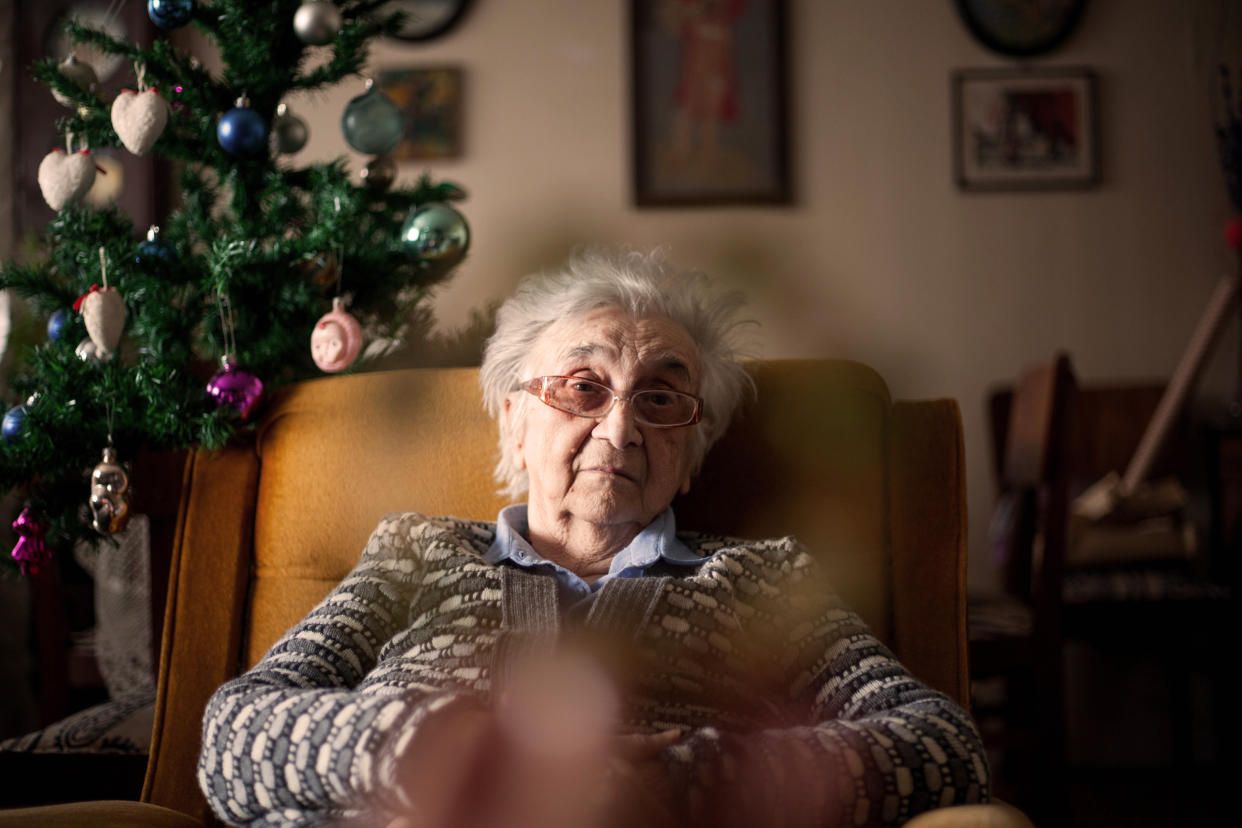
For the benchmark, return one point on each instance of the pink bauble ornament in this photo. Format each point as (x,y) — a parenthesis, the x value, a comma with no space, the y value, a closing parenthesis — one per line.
(139,119)
(1233,232)
(235,387)
(336,340)
(103,311)
(64,178)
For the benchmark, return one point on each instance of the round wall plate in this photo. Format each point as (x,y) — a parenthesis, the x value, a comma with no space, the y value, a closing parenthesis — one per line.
(1021,28)
(427,19)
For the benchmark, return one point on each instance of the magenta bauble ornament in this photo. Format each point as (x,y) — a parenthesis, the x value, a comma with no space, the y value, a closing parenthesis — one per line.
(337,339)
(31,552)
(235,387)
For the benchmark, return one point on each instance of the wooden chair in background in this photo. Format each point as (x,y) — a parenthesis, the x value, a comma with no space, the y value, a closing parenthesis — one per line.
(1015,639)
(1124,599)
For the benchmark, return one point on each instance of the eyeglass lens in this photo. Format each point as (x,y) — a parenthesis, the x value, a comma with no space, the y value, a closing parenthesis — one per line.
(591,399)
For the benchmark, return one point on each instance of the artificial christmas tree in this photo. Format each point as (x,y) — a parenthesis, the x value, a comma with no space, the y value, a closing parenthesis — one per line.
(176,337)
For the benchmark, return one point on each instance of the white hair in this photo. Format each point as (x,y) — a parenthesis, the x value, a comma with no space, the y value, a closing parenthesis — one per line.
(644,285)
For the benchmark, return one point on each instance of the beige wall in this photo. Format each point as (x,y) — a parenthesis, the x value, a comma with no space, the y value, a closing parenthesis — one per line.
(882,260)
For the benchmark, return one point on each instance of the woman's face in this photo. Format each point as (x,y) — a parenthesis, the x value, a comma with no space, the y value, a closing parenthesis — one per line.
(612,470)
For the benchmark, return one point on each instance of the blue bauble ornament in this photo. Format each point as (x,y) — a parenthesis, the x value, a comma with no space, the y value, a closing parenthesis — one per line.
(155,248)
(14,425)
(242,131)
(435,233)
(372,123)
(56,325)
(170,14)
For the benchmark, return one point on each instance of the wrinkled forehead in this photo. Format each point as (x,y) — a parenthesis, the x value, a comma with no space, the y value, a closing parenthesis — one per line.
(611,339)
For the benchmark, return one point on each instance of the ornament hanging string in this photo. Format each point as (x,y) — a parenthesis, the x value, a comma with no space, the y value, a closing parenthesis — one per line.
(226,323)
(110,405)
(340,250)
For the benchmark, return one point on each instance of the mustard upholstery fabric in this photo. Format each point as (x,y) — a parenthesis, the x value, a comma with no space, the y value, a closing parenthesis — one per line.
(113,812)
(268,527)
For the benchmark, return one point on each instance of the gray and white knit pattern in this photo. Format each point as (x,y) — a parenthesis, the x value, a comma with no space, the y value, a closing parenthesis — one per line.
(795,711)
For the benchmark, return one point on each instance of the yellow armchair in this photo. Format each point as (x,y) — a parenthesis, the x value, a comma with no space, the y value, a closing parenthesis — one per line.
(269,525)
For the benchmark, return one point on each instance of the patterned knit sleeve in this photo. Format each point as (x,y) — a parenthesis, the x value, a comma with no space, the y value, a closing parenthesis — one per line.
(870,744)
(291,741)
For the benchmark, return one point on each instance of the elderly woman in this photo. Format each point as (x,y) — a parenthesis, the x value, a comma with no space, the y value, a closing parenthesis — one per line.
(729,685)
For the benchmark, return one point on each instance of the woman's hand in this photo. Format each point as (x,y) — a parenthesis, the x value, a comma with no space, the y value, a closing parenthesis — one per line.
(639,789)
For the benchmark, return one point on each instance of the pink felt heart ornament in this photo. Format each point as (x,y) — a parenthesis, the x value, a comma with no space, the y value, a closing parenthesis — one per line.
(139,119)
(65,177)
(103,311)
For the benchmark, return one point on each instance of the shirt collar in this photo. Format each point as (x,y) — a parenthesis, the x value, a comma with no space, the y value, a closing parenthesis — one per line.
(657,541)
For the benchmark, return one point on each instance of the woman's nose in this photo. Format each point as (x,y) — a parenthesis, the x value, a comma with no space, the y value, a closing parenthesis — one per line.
(618,426)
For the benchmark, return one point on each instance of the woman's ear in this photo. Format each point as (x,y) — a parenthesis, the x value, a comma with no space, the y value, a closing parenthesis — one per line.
(510,423)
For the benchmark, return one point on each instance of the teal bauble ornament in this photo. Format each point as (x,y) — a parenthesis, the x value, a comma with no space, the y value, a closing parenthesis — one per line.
(372,123)
(435,233)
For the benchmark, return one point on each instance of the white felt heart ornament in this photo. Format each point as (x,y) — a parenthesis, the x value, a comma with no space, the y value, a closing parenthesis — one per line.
(103,311)
(65,177)
(139,119)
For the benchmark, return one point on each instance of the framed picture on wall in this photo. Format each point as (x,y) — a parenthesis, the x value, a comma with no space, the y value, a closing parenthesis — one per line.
(430,102)
(708,102)
(1025,129)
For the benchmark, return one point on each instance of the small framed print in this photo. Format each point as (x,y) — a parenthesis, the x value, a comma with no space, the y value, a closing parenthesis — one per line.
(1025,129)
(430,99)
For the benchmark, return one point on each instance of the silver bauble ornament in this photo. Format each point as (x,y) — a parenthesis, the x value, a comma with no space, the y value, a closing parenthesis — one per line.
(371,122)
(436,233)
(109,495)
(317,23)
(289,132)
(379,173)
(80,73)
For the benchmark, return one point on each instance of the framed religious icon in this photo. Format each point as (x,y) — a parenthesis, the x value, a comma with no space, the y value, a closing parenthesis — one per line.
(430,99)
(1022,129)
(709,102)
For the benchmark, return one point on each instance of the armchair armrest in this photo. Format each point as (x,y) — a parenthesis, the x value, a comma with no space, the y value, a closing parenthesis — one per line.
(994,815)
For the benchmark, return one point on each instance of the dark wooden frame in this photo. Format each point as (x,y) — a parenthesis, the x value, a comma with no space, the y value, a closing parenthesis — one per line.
(1030,172)
(757,134)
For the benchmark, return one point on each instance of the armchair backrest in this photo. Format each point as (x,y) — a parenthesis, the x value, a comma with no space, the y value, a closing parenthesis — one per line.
(267,528)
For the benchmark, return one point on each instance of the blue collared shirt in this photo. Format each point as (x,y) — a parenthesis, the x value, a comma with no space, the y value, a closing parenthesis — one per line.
(656,542)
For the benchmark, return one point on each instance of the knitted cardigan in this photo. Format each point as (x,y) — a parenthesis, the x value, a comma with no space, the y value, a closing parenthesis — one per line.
(749,651)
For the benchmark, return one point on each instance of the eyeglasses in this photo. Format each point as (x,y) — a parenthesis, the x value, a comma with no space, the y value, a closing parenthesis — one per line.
(659,407)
